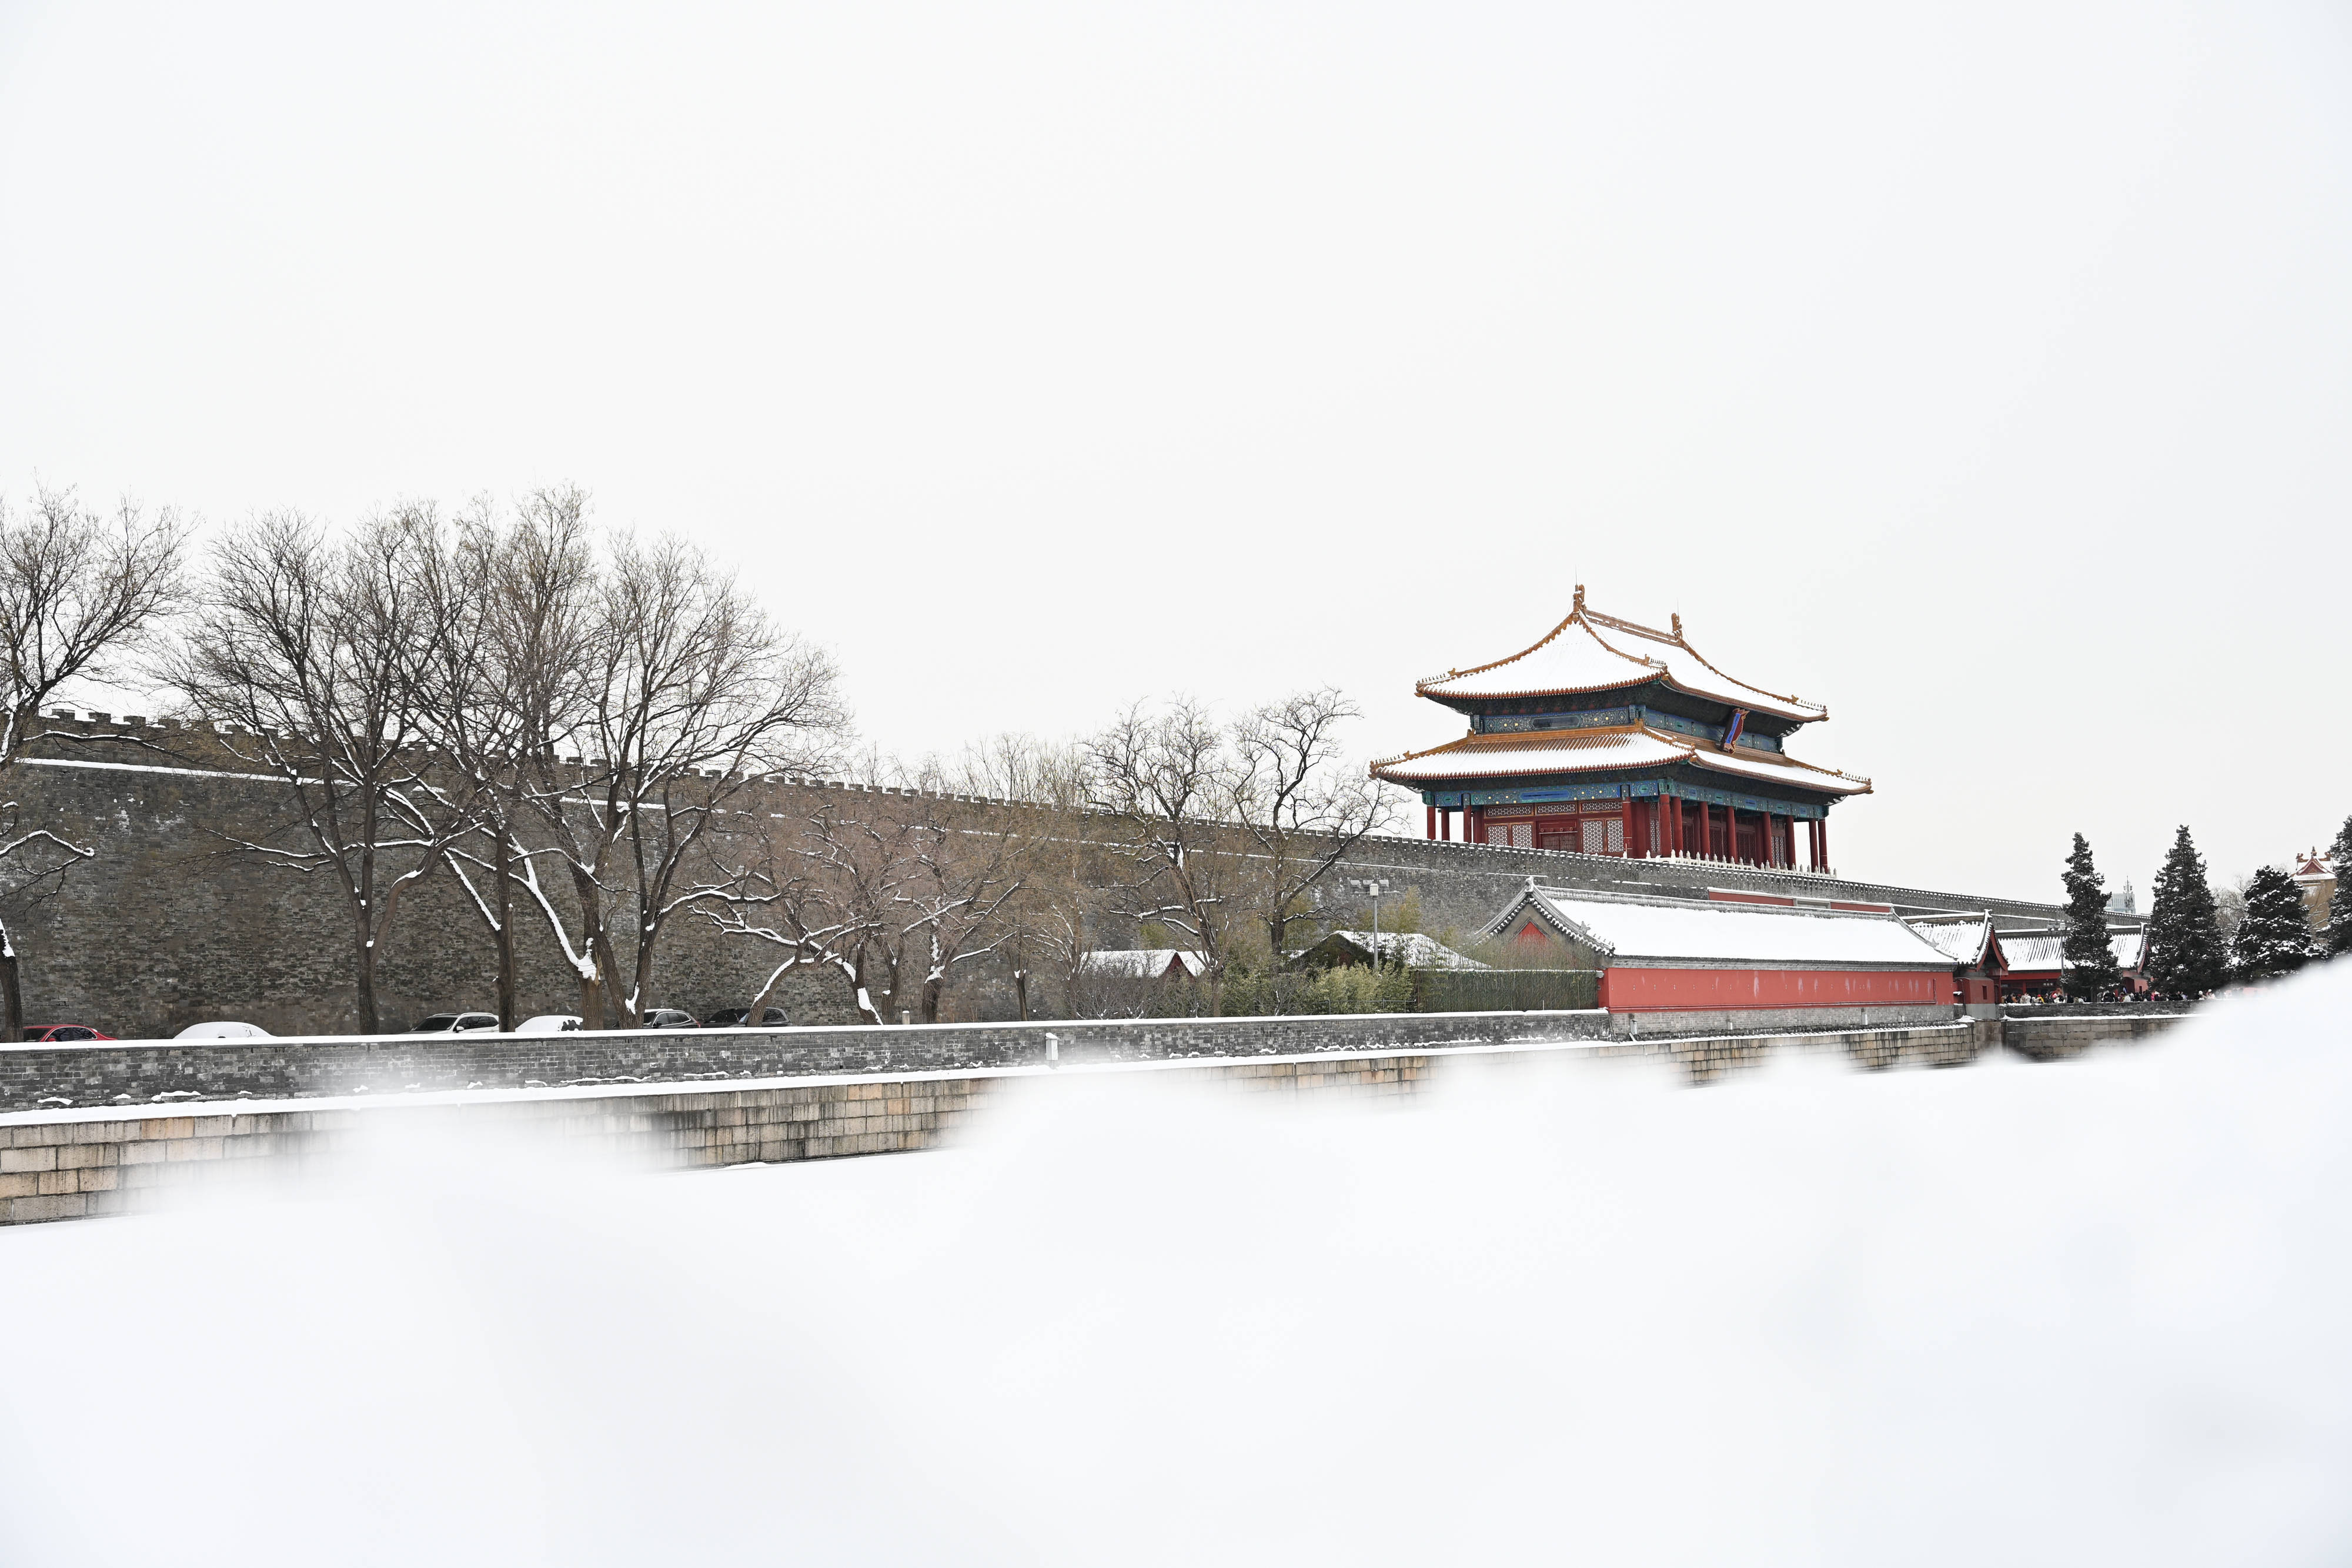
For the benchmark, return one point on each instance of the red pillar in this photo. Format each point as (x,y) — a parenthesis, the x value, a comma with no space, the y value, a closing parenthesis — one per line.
(1625,824)
(1432,819)
(1826,844)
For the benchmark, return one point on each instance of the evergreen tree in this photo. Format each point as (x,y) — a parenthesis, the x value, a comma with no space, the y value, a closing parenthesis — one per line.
(2186,955)
(2339,902)
(2090,967)
(2275,939)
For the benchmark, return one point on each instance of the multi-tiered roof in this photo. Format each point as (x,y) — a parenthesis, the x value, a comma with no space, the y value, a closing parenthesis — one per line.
(1603,707)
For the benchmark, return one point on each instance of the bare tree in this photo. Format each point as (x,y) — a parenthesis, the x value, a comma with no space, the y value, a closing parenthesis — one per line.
(690,696)
(77,592)
(1162,782)
(1299,812)
(1045,788)
(311,658)
(483,709)
(970,861)
(822,889)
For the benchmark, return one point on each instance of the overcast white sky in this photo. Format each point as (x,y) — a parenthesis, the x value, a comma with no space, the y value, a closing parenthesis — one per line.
(1985,372)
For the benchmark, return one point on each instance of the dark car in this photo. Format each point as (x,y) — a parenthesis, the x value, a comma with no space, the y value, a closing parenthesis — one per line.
(456,1023)
(670,1018)
(61,1033)
(738,1017)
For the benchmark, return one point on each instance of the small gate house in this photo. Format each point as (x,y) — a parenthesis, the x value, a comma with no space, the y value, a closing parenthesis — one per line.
(1661,955)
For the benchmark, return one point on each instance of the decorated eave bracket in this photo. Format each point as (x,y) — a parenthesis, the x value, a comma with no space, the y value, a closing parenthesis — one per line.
(1638,789)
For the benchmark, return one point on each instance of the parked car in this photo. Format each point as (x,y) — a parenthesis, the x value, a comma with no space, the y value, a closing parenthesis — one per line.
(61,1033)
(670,1018)
(740,1018)
(456,1023)
(549,1023)
(223,1030)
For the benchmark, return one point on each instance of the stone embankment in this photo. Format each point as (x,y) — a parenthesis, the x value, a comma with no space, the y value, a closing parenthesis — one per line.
(66,1164)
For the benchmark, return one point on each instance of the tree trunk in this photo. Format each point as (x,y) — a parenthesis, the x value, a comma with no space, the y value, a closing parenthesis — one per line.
(608,970)
(932,987)
(644,967)
(501,865)
(365,974)
(595,949)
(1021,992)
(12,1000)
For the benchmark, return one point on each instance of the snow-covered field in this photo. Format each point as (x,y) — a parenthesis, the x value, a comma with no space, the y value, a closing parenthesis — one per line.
(2092,1312)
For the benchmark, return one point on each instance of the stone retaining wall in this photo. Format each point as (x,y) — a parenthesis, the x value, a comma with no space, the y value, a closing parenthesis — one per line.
(2049,1039)
(67,1164)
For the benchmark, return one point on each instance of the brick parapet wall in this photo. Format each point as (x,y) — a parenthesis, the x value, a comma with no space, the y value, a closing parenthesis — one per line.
(2089,1010)
(103,1074)
(99,1075)
(65,1166)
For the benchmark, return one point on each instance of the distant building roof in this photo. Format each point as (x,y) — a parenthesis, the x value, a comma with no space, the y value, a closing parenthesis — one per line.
(1409,948)
(1590,652)
(1657,931)
(1143,963)
(2046,954)
(1966,940)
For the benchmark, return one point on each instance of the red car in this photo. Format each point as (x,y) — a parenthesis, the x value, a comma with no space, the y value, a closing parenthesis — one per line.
(61,1033)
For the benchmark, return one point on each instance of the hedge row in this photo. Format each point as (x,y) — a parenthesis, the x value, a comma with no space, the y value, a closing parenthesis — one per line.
(1504,990)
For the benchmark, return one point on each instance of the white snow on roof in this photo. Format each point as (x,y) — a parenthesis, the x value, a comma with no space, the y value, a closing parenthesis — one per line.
(1790,772)
(1555,751)
(1412,949)
(1574,751)
(1140,963)
(1595,654)
(1638,929)
(2038,954)
(1961,941)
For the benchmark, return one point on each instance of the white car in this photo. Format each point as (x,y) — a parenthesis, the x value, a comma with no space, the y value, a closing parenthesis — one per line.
(549,1023)
(223,1030)
(456,1023)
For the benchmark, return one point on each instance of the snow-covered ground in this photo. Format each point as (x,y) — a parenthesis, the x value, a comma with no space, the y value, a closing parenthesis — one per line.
(2090,1313)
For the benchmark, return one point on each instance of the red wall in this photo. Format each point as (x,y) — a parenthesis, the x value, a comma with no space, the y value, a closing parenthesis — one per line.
(1625,989)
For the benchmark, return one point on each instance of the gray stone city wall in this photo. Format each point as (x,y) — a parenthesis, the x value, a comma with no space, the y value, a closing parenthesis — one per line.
(67,1165)
(169,924)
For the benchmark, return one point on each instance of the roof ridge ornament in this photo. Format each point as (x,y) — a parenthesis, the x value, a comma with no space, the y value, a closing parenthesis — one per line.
(1580,601)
